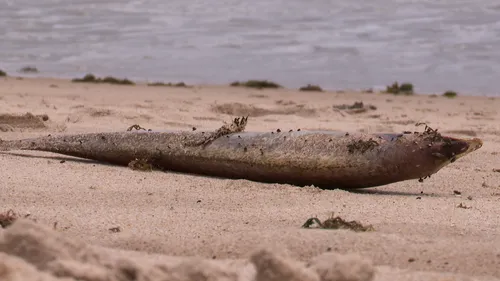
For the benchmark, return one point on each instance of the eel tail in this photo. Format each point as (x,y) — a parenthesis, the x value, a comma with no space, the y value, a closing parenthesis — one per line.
(6,145)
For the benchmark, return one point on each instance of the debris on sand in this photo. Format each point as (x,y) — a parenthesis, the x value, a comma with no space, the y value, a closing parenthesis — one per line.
(162,84)
(7,218)
(90,78)
(396,88)
(450,94)
(311,88)
(357,107)
(257,84)
(338,223)
(463,206)
(29,69)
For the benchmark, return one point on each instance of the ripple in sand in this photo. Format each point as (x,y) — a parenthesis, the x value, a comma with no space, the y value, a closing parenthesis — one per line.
(26,121)
(240,109)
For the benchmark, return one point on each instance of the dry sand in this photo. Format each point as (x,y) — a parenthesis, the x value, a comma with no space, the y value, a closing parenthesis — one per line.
(184,227)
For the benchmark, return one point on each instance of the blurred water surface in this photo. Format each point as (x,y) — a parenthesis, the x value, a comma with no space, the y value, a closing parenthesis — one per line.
(437,45)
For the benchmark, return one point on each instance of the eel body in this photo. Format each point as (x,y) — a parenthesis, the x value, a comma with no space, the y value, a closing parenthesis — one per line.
(326,159)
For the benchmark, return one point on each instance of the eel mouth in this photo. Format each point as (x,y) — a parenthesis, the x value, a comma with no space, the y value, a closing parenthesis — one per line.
(454,148)
(474,144)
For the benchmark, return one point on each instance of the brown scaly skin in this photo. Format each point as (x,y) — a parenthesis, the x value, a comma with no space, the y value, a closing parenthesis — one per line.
(326,159)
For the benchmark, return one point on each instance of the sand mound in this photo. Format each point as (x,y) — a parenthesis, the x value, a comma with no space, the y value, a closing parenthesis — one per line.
(26,121)
(240,109)
(30,251)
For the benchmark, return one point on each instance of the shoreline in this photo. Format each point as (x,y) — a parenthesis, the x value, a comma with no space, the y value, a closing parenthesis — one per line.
(56,78)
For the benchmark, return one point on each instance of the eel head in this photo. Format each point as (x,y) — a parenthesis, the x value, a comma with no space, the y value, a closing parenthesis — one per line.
(433,155)
(450,149)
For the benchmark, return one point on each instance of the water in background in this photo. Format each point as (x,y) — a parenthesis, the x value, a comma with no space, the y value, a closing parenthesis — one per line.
(437,45)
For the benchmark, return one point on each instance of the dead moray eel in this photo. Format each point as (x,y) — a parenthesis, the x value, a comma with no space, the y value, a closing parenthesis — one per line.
(326,159)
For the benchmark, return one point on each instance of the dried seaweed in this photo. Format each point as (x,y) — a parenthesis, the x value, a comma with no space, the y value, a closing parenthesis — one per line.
(8,218)
(430,134)
(311,88)
(258,84)
(161,84)
(238,125)
(90,78)
(29,69)
(357,107)
(338,223)
(463,206)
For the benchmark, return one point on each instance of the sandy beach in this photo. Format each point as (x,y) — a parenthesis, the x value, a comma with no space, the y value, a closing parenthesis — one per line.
(96,221)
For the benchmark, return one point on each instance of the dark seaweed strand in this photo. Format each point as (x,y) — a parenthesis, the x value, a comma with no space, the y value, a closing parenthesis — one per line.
(238,125)
(433,135)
